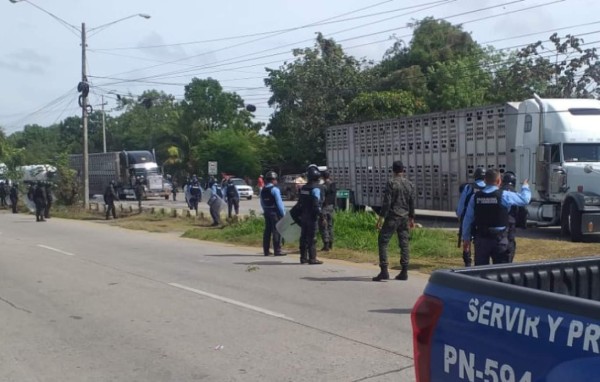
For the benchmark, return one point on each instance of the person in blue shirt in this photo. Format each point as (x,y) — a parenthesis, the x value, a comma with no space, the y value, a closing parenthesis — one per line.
(487,213)
(272,205)
(215,203)
(466,192)
(310,203)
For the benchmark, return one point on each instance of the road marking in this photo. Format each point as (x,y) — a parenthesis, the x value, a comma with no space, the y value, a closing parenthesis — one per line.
(233,302)
(55,250)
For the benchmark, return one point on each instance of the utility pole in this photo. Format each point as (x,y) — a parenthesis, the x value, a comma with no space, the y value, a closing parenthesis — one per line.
(84,117)
(103,127)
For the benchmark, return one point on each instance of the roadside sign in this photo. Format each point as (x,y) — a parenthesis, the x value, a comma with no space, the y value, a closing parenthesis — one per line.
(343,194)
(212,168)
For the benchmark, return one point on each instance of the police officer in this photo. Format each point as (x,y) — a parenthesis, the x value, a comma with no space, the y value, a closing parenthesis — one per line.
(139,190)
(49,199)
(39,198)
(396,216)
(310,204)
(233,198)
(488,210)
(2,194)
(509,181)
(215,203)
(467,191)
(110,195)
(13,194)
(195,193)
(328,190)
(272,205)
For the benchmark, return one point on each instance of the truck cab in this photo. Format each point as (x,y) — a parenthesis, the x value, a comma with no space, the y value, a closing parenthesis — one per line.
(557,147)
(142,164)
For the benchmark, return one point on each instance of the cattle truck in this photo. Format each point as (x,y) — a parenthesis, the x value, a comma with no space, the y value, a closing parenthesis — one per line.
(554,143)
(123,167)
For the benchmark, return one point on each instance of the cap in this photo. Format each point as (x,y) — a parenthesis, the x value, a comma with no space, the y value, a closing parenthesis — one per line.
(398,166)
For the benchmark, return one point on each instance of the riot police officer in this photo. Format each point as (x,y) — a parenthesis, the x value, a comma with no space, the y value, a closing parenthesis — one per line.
(13,195)
(139,190)
(509,181)
(310,203)
(110,195)
(39,198)
(487,212)
(2,194)
(49,199)
(195,192)
(329,191)
(273,210)
(232,197)
(396,216)
(466,192)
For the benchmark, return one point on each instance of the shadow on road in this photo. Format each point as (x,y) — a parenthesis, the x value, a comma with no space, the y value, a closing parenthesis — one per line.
(267,263)
(236,255)
(392,311)
(357,278)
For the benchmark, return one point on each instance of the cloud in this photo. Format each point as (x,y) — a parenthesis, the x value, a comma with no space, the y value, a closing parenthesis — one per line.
(155,39)
(25,61)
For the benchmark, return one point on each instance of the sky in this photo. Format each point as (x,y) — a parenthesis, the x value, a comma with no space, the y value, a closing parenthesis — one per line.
(232,41)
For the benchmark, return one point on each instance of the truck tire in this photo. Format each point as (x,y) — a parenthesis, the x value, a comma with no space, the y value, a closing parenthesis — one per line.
(167,197)
(249,198)
(575,223)
(289,195)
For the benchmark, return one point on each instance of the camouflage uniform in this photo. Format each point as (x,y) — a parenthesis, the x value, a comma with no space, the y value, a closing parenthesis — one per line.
(398,206)
(328,194)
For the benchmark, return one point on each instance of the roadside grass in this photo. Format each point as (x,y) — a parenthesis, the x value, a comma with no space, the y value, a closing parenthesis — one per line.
(355,238)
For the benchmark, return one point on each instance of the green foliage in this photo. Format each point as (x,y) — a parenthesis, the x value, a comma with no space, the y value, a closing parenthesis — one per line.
(67,188)
(384,105)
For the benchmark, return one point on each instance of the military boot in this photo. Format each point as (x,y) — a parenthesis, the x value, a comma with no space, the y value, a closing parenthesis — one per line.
(312,252)
(383,275)
(403,275)
(303,257)
(325,247)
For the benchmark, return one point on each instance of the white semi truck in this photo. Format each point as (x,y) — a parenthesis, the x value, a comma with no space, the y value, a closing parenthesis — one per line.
(123,167)
(555,143)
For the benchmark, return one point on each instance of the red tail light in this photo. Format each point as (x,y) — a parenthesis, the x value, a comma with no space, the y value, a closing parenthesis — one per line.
(424,317)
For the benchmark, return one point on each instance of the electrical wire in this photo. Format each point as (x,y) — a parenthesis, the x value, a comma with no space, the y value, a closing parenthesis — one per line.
(72,28)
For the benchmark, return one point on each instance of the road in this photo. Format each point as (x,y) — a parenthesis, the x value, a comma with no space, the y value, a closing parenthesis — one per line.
(84,301)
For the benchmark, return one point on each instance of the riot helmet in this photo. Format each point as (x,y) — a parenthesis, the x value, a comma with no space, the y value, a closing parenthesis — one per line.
(509,179)
(312,173)
(479,173)
(325,174)
(270,176)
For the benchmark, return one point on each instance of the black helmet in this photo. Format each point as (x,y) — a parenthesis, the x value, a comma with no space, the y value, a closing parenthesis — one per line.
(325,174)
(312,173)
(509,179)
(271,175)
(479,173)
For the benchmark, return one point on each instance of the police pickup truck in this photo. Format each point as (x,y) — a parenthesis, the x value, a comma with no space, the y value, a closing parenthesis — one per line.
(526,322)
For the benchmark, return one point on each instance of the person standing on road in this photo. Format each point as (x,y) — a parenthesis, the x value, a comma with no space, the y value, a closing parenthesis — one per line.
(233,198)
(488,213)
(39,198)
(174,190)
(13,195)
(397,216)
(466,192)
(273,210)
(260,183)
(517,216)
(329,192)
(195,194)
(139,191)
(2,194)
(49,199)
(215,203)
(110,195)
(310,203)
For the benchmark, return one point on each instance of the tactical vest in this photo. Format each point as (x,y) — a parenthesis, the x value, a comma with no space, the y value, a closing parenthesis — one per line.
(231,191)
(195,189)
(307,201)
(329,190)
(267,197)
(489,211)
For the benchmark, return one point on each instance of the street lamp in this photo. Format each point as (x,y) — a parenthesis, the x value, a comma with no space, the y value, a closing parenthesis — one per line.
(84,88)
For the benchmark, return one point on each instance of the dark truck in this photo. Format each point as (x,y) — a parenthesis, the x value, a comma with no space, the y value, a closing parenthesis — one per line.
(524,322)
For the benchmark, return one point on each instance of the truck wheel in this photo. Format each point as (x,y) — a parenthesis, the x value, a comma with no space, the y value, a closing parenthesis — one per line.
(249,198)
(575,223)
(166,197)
(289,195)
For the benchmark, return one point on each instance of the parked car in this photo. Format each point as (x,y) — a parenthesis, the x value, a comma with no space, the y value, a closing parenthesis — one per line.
(290,185)
(244,190)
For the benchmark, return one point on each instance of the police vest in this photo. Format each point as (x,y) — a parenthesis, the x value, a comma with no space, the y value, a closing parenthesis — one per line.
(266,195)
(195,189)
(231,191)
(489,211)
(307,200)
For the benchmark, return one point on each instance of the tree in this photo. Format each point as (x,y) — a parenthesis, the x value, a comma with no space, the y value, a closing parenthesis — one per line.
(309,94)
(384,105)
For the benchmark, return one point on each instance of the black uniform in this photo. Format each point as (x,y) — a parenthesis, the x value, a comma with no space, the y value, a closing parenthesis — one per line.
(14,198)
(39,198)
(48,190)
(310,204)
(2,194)
(468,190)
(195,195)
(110,196)
(329,191)
(491,232)
(139,192)
(233,199)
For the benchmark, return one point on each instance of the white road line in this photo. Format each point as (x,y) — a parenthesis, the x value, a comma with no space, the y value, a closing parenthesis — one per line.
(55,250)
(233,302)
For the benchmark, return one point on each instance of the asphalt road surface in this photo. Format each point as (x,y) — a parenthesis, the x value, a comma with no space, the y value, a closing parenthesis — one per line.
(83,301)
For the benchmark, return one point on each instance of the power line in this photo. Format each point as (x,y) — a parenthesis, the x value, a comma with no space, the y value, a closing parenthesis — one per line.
(72,28)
